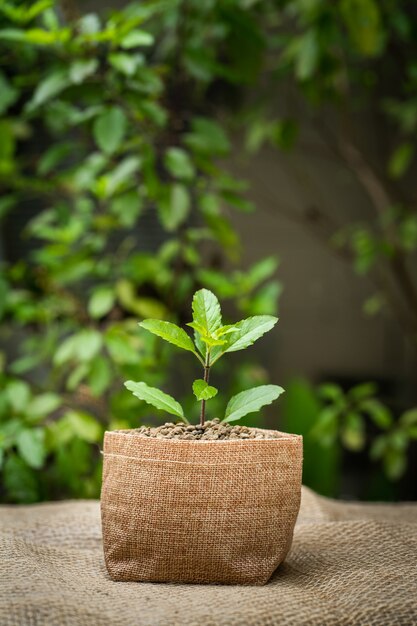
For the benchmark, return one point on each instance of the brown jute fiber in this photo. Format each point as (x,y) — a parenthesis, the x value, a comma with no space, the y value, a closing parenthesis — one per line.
(199,511)
(350,565)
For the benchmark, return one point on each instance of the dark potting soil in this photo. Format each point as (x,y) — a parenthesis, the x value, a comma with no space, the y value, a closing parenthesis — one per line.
(211,430)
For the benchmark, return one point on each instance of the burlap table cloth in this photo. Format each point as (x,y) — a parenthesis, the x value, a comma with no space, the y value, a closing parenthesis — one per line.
(199,512)
(350,564)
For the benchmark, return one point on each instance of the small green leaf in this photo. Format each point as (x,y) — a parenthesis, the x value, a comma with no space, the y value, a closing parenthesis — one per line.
(378,412)
(82,346)
(51,86)
(19,480)
(325,430)
(82,69)
(127,207)
(211,341)
(43,405)
(225,330)
(155,397)
(364,25)
(401,159)
(84,426)
(331,392)
(409,418)
(179,163)
(170,332)
(206,311)
(109,129)
(126,63)
(174,207)
(363,391)
(100,376)
(31,446)
(52,157)
(18,395)
(395,463)
(307,55)
(202,390)
(250,401)
(8,93)
(101,302)
(353,432)
(136,38)
(249,330)
(207,137)
(121,175)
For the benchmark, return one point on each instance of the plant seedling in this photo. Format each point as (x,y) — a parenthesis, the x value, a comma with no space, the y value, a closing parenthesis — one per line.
(211,342)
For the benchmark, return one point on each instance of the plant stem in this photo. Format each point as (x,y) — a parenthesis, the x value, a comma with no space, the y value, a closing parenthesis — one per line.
(206,379)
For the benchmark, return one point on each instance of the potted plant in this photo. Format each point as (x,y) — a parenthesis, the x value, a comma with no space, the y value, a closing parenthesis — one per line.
(207,503)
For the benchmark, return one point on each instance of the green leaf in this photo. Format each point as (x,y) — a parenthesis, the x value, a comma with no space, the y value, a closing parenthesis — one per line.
(307,55)
(363,391)
(174,207)
(155,397)
(207,137)
(31,446)
(136,38)
(109,129)
(353,432)
(121,347)
(331,392)
(89,24)
(83,346)
(127,207)
(225,330)
(8,94)
(395,463)
(18,395)
(409,418)
(202,390)
(179,164)
(401,159)
(53,157)
(101,302)
(42,405)
(82,69)
(100,376)
(211,341)
(364,25)
(84,426)
(325,430)
(378,412)
(51,86)
(206,311)
(408,232)
(250,401)
(170,332)
(126,63)
(121,175)
(249,330)
(19,480)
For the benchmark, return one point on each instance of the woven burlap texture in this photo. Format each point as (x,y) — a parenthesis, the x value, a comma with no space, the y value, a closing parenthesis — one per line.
(350,565)
(199,511)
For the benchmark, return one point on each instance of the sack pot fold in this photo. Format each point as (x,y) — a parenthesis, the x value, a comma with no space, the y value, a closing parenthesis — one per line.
(199,511)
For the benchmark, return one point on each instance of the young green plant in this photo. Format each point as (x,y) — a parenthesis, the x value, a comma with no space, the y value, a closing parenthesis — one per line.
(212,340)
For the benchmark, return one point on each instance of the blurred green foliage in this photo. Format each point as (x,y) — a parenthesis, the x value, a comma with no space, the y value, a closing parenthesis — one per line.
(348,416)
(107,122)
(332,420)
(110,131)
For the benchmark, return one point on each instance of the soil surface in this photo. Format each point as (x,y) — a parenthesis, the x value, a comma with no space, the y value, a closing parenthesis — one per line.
(211,430)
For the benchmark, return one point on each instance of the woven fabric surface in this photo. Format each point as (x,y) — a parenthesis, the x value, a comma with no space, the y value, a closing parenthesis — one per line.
(199,512)
(350,564)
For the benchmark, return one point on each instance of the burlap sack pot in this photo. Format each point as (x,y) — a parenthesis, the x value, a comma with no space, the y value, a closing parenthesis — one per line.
(198,511)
